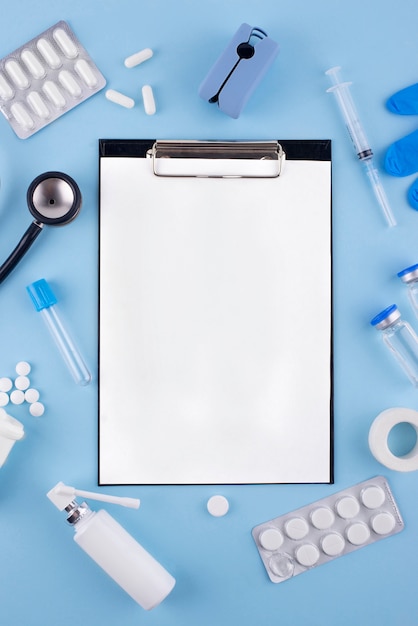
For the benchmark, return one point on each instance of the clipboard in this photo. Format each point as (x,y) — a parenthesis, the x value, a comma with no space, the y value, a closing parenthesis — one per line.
(215,312)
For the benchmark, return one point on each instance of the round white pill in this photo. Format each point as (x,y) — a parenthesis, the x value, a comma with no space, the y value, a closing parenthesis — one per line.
(120,98)
(36,409)
(296,528)
(149,101)
(4,398)
(138,57)
(383,523)
(358,533)
(5,384)
(332,544)
(31,395)
(282,565)
(271,539)
(307,554)
(322,518)
(218,506)
(22,383)
(17,396)
(348,507)
(373,496)
(23,368)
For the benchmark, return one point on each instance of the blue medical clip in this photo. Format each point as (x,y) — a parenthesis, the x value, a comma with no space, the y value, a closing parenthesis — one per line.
(239,69)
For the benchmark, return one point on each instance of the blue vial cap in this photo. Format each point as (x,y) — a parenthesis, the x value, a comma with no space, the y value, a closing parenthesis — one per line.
(408,270)
(41,294)
(383,314)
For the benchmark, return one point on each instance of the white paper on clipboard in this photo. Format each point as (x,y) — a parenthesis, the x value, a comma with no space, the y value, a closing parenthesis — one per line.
(215,322)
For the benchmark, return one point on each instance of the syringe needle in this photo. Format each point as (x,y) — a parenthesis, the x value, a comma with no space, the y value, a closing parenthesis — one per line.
(361,145)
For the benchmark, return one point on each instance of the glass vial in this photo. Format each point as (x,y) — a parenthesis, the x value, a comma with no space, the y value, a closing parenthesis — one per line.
(401,340)
(120,555)
(409,276)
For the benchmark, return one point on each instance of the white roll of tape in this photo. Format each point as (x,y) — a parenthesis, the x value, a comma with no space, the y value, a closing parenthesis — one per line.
(379,434)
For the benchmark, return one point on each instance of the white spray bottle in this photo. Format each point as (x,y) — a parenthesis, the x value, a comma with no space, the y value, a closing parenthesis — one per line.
(112,547)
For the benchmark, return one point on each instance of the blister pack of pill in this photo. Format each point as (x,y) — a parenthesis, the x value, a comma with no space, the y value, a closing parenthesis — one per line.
(327,529)
(45,78)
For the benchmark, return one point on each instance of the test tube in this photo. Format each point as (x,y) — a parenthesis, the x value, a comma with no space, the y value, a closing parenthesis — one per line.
(44,301)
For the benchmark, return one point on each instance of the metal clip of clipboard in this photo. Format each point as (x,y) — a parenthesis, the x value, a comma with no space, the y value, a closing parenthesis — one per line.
(217,159)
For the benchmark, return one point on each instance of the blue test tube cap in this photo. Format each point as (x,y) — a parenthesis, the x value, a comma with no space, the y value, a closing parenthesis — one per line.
(41,294)
(380,317)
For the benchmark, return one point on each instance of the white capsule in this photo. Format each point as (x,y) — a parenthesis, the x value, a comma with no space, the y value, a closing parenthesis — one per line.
(85,72)
(65,42)
(148,98)
(21,116)
(17,396)
(48,53)
(54,94)
(5,384)
(31,395)
(16,73)
(6,91)
(120,98)
(23,368)
(37,409)
(69,83)
(38,105)
(138,57)
(33,64)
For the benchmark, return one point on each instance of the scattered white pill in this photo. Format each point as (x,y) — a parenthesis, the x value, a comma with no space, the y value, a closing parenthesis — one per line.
(6,91)
(65,42)
(307,554)
(149,101)
(296,528)
(38,105)
(31,395)
(85,72)
(383,523)
(17,396)
(69,83)
(54,94)
(23,368)
(271,539)
(119,98)
(358,533)
(332,544)
(33,64)
(348,507)
(322,518)
(373,497)
(22,383)
(16,73)
(48,53)
(4,398)
(37,409)
(6,384)
(22,116)
(138,57)
(218,506)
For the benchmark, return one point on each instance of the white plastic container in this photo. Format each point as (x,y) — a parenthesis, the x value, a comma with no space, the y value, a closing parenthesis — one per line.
(115,550)
(11,430)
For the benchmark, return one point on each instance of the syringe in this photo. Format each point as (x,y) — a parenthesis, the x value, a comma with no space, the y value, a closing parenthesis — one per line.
(364,152)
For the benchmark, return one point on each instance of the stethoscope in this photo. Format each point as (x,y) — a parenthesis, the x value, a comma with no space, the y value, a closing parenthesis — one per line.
(54,199)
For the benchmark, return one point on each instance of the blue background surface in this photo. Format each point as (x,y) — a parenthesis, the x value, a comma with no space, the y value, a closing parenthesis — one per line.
(44,577)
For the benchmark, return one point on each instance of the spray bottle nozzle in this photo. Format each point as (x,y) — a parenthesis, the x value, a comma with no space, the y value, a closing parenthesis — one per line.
(62,495)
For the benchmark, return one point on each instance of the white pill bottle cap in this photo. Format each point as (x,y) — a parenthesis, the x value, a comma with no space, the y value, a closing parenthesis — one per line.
(113,548)
(11,430)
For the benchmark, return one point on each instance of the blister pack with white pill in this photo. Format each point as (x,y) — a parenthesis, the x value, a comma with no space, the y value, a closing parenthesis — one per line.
(45,78)
(326,529)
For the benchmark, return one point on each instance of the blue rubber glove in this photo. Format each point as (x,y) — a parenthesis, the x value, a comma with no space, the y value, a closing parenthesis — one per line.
(402,156)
